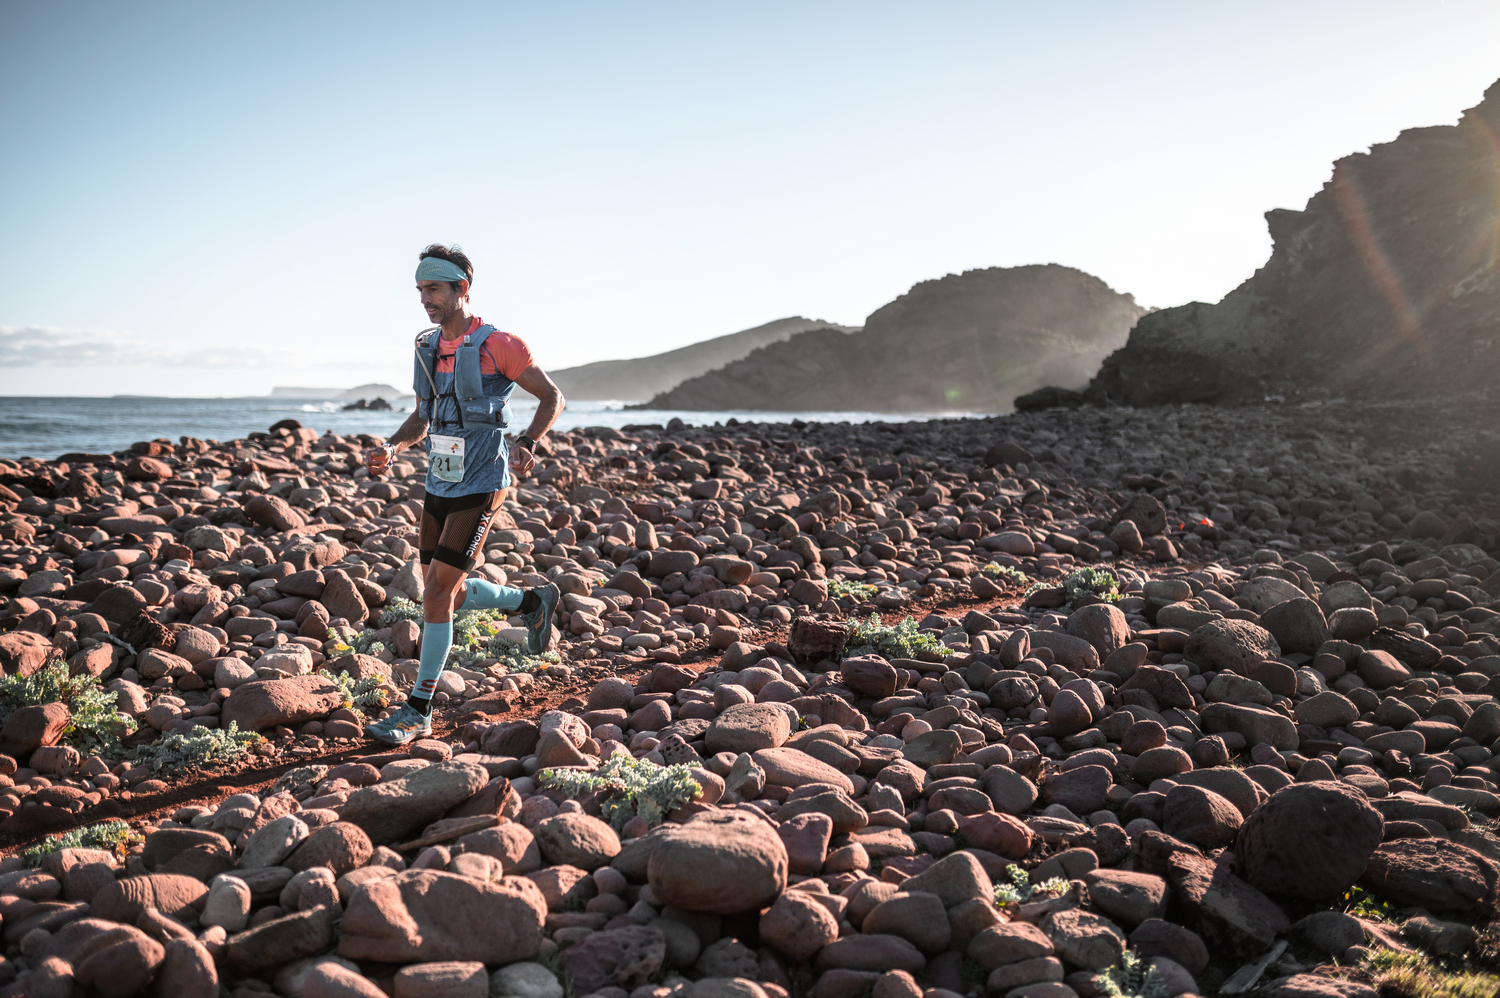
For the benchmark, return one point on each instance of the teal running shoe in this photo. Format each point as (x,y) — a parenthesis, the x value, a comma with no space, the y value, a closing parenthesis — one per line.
(402,727)
(539,621)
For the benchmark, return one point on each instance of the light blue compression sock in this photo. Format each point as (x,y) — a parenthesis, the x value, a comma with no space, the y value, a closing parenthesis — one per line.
(437,641)
(481,594)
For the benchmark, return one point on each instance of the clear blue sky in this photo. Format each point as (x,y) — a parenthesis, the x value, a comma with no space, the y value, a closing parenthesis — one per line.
(212,199)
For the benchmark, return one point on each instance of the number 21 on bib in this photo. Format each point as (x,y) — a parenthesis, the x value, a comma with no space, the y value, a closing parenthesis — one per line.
(447,456)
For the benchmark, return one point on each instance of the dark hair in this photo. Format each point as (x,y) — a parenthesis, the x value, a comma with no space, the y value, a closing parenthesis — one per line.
(453,255)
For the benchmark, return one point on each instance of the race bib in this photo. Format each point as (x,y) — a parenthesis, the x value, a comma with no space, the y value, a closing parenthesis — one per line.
(447,456)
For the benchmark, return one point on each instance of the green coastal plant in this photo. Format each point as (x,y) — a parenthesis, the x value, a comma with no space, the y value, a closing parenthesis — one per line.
(631,787)
(1020,889)
(516,659)
(202,748)
(398,609)
(1100,583)
(369,693)
(1009,573)
(841,588)
(1131,978)
(473,629)
(363,643)
(115,836)
(1363,904)
(904,640)
(97,725)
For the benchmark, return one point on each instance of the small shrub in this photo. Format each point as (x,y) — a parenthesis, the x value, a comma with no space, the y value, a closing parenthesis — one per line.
(398,609)
(1035,587)
(631,787)
(1009,573)
(1100,583)
(363,643)
(112,835)
(97,724)
(369,693)
(1416,975)
(1131,978)
(201,748)
(472,629)
(871,637)
(841,588)
(1362,904)
(515,658)
(1020,889)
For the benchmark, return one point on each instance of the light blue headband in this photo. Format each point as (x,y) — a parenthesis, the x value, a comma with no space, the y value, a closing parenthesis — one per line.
(434,268)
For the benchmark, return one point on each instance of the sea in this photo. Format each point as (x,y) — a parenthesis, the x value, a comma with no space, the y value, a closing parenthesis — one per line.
(40,427)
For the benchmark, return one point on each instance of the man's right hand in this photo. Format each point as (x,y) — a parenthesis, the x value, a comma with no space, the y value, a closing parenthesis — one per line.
(378,459)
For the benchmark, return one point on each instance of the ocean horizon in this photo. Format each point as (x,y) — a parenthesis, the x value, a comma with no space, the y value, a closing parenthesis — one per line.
(46,426)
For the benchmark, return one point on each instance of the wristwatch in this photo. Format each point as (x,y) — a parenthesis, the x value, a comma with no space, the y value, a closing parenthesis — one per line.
(526,443)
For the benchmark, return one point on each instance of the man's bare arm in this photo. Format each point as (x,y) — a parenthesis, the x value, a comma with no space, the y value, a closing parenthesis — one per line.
(411,432)
(378,459)
(550,403)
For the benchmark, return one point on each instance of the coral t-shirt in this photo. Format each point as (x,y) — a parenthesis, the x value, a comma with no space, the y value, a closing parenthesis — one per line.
(503,353)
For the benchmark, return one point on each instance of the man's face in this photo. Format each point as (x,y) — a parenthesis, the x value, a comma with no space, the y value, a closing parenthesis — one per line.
(440,300)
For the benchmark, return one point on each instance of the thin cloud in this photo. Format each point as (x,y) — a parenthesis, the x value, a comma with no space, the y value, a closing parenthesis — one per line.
(50,346)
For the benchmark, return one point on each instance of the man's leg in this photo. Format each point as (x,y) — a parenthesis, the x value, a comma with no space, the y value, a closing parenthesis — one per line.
(453,531)
(447,589)
(413,719)
(536,606)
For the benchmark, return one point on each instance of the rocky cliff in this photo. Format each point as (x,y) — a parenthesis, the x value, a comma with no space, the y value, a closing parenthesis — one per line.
(1386,283)
(643,377)
(967,342)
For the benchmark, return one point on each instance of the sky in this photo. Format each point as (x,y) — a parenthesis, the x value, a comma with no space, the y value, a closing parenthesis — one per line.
(215,199)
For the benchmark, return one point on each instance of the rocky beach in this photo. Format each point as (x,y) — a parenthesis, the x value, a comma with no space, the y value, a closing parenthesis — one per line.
(1167,701)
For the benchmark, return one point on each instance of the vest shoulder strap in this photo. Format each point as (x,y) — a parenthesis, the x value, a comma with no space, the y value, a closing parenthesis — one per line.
(477,337)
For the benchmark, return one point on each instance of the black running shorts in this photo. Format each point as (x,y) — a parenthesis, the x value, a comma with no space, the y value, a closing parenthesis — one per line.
(454,527)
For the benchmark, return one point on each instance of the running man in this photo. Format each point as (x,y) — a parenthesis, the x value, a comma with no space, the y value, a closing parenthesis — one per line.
(464,374)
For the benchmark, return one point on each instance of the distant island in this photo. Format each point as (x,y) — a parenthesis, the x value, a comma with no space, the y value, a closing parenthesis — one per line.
(363,391)
(641,378)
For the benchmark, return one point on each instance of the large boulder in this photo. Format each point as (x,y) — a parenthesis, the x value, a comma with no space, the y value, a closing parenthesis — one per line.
(748,727)
(1073,652)
(394,811)
(1267,591)
(23,652)
(720,863)
(273,512)
(1230,914)
(1236,645)
(1309,840)
(29,728)
(169,893)
(1257,724)
(268,703)
(625,957)
(1297,624)
(577,839)
(1101,625)
(1431,873)
(1200,816)
(430,915)
(119,604)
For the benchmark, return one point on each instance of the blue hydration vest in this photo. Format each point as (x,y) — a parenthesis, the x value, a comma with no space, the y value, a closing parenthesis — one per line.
(467,404)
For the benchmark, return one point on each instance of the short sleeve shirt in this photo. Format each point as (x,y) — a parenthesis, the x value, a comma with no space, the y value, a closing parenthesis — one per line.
(503,353)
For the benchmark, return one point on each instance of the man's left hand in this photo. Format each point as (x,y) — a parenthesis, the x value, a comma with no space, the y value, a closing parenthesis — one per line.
(521,460)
